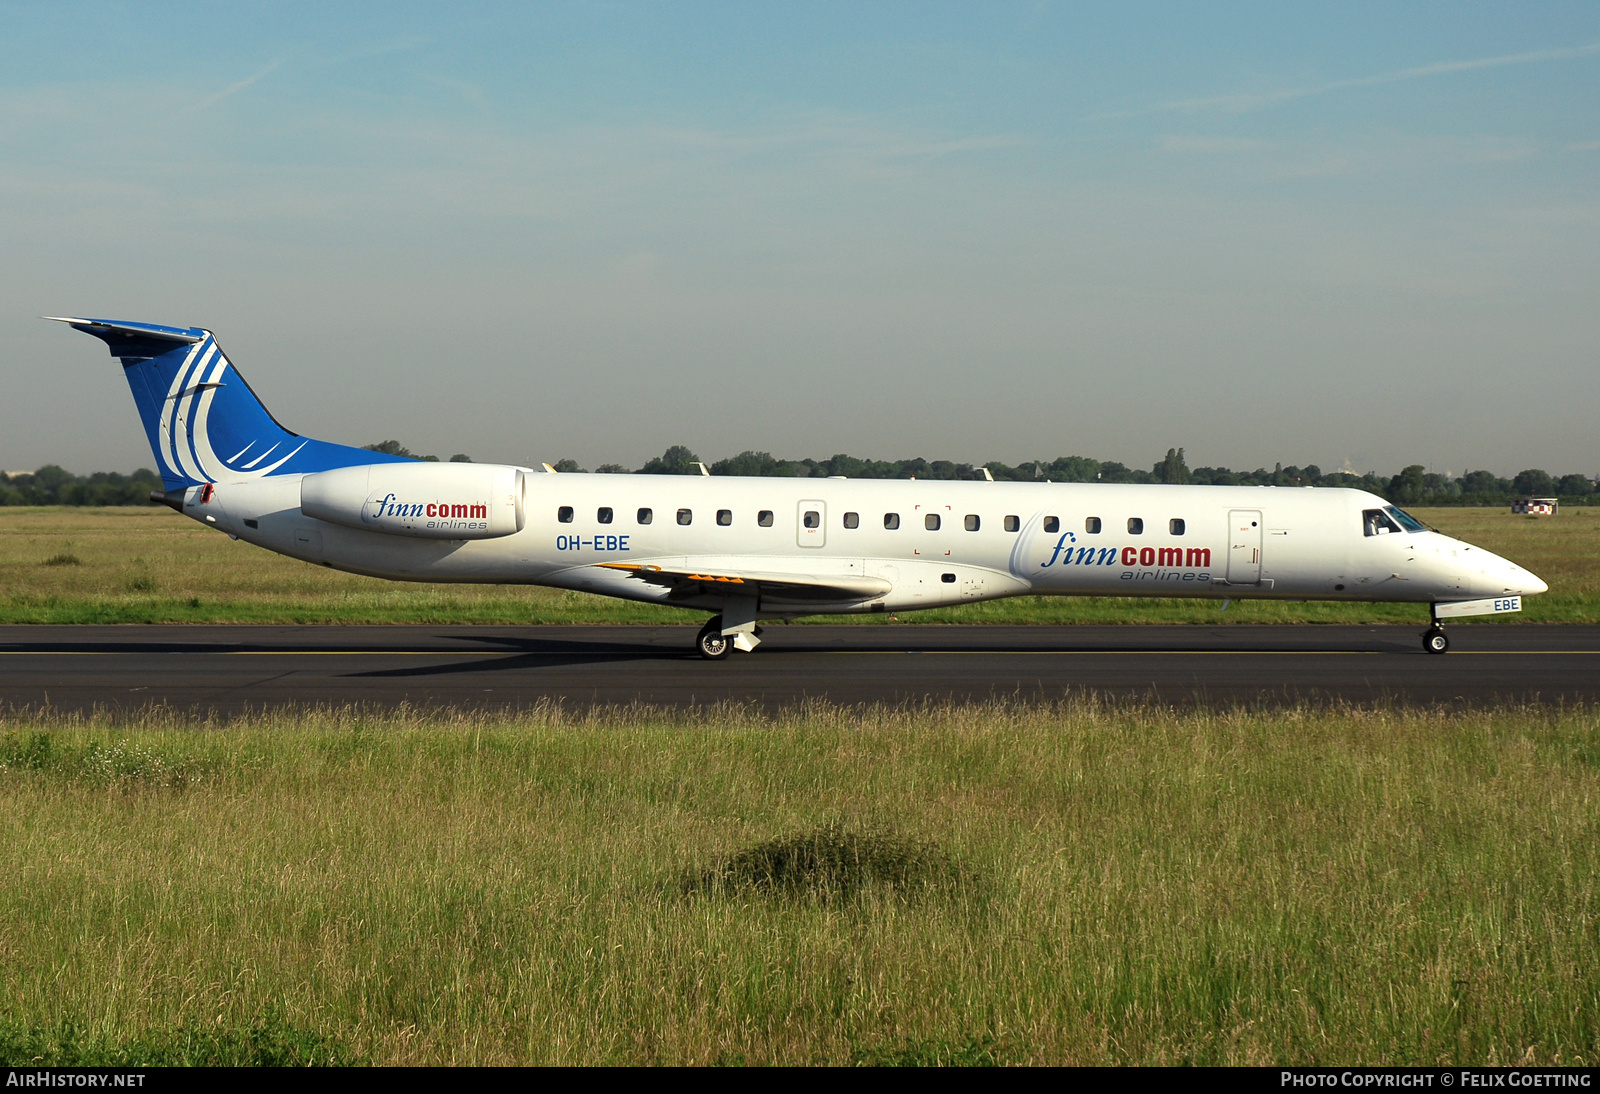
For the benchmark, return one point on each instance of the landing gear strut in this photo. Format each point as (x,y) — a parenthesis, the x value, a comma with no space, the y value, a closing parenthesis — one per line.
(711,642)
(1433,639)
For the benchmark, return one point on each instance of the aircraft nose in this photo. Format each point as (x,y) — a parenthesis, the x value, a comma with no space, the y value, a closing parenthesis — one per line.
(1517,580)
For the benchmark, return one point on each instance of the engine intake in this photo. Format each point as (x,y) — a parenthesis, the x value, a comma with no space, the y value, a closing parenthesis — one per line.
(428,500)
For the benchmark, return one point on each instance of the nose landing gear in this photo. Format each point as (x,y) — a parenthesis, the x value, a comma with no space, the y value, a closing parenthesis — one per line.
(1433,639)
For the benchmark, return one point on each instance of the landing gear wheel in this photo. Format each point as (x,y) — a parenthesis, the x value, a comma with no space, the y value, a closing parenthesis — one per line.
(1434,641)
(711,642)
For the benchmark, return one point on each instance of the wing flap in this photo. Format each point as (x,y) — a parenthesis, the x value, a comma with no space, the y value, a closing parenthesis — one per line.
(788,586)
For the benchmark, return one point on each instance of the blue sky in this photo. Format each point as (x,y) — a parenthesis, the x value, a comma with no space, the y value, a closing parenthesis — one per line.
(1366,236)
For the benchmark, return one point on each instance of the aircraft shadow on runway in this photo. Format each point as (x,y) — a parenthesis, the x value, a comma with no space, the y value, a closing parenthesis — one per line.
(532,653)
(536,653)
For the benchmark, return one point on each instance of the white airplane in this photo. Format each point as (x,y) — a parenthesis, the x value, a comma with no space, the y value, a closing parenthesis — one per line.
(748,549)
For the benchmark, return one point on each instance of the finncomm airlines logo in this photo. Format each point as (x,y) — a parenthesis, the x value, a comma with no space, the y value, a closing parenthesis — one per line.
(447,515)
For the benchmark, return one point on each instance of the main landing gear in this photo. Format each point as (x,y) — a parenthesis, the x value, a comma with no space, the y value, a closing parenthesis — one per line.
(714,645)
(711,642)
(1433,639)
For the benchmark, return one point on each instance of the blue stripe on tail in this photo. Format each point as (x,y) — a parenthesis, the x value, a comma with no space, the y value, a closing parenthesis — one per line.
(203,422)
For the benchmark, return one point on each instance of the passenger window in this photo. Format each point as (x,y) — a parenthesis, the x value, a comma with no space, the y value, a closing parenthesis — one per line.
(764,518)
(812,519)
(1092,525)
(564,515)
(971,522)
(645,516)
(724,517)
(948,579)
(891,521)
(1013,523)
(852,520)
(685,516)
(1176,526)
(1375,522)
(603,514)
(931,522)
(1136,526)
(1052,524)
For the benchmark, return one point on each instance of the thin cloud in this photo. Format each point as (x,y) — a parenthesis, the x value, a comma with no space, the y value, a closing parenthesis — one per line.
(1211,144)
(1243,102)
(233,89)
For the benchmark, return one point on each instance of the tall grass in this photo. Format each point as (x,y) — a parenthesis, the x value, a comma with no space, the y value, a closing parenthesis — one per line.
(1074,884)
(123,565)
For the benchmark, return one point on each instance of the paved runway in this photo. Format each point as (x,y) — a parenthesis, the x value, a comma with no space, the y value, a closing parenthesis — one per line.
(229,668)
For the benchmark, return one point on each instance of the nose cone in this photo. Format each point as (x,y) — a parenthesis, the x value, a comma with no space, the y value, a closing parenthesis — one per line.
(1513,579)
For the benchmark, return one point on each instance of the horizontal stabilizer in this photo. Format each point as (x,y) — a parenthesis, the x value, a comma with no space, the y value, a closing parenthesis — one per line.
(133,341)
(784,586)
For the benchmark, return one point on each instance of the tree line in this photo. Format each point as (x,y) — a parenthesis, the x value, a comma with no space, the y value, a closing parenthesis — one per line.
(1415,485)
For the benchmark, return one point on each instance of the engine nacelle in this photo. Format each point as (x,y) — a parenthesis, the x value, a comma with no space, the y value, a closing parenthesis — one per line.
(430,500)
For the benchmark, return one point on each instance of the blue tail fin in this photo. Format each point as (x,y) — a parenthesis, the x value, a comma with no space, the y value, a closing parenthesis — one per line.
(203,421)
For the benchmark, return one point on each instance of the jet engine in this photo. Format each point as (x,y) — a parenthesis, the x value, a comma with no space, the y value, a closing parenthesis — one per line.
(429,500)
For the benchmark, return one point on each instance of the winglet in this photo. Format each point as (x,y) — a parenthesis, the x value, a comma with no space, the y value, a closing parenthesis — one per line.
(703,469)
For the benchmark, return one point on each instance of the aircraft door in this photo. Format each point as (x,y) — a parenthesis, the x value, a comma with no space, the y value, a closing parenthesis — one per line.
(1244,547)
(811,524)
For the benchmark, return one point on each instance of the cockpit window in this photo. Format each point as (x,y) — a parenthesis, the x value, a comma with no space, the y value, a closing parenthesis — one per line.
(1407,521)
(1376,522)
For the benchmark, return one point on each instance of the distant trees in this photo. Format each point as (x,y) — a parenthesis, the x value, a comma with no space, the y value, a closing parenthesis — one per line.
(52,485)
(677,460)
(1173,469)
(1414,485)
(395,448)
(1574,486)
(1534,482)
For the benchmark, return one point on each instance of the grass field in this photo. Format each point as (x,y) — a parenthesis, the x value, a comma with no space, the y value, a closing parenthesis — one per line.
(150,565)
(1080,884)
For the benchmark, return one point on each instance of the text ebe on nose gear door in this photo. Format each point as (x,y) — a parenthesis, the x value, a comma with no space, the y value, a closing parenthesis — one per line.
(1244,547)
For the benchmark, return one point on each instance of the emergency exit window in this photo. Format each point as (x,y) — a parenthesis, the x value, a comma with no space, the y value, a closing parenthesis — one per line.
(931,522)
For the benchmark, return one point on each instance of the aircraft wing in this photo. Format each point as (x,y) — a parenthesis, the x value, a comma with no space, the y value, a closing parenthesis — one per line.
(781,586)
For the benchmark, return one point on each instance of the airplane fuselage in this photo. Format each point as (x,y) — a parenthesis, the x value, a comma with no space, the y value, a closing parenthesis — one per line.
(928,543)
